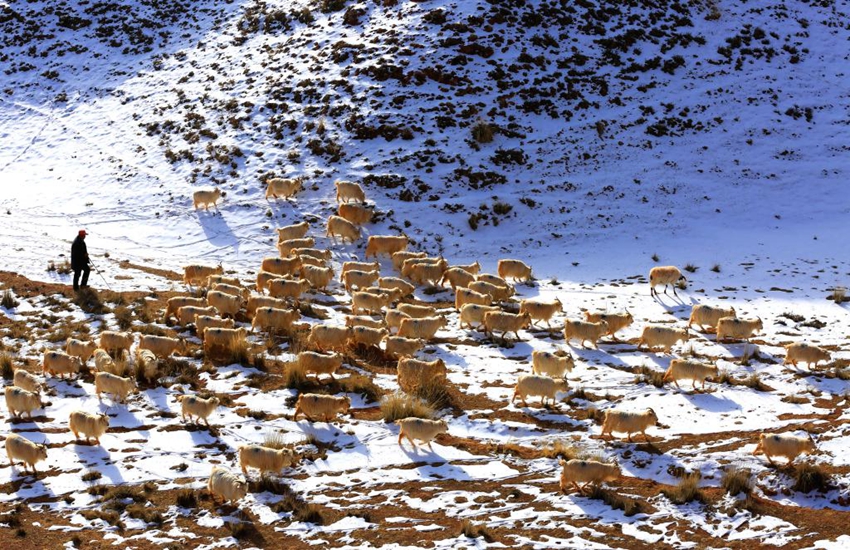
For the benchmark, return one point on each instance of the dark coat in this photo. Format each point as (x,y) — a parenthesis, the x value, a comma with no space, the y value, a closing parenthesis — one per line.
(79,254)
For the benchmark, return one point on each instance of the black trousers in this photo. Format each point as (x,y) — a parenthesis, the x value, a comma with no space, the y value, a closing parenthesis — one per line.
(85,282)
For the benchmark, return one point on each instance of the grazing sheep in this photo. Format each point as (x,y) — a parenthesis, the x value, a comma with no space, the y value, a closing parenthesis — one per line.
(57,363)
(424,273)
(586,472)
(704,315)
(385,244)
(21,400)
(473,313)
(319,254)
(546,363)
(103,361)
(294,231)
(399,346)
(363,321)
(472,268)
(287,248)
(422,429)
(360,279)
(615,321)
(283,187)
(264,278)
(81,349)
(187,314)
(654,336)
(282,267)
(162,346)
(147,365)
(275,320)
(408,264)
(802,352)
(224,303)
(786,445)
(90,425)
(415,373)
(310,260)
(496,292)
(665,275)
(368,302)
(514,269)
(424,328)
(532,385)
(628,422)
(199,274)
(356,213)
(492,279)
(209,321)
(417,312)
(256,302)
(310,362)
(367,336)
(327,337)
(21,448)
(541,311)
(213,280)
(349,191)
(108,383)
(233,290)
(317,406)
(318,277)
(584,331)
(218,340)
(500,321)
(457,277)
(226,485)
(175,303)
(465,296)
(394,317)
(265,459)
(206,197)
(115,342)
(398,258)
(394,283)
(26,381)
(192,405)
(358,266)
(286,288)
(337,225)
(737,329)
(686,369)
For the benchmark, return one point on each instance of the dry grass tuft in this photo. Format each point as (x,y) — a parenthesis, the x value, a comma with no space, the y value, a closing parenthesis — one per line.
(561,448)
(7,366)
(737,480)
(186,498)
(475,530)
(276,440)
(8,301)
(808,477)
(92,475)
(483,131)
(437,394)
(89,301)
(839,294)
(398,405)
(629,506)
(686,491)
(123,316)
(648,375)
(362,385)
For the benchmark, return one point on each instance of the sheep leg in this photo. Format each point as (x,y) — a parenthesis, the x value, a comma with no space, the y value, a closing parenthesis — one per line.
(578,489)
(630,437)
(401,435)
(677,384)
(646,437)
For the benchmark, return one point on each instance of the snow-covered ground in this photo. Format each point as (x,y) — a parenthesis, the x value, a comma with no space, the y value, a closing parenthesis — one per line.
(734,164)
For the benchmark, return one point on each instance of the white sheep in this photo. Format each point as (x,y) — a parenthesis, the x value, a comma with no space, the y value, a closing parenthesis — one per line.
(103,361)
(324,407)
(162,346)
(465,296)
(367,336)
(281,267)
(275,320)
(294,231)
(21,448)
(225,304)
(368,302)
(81,349)
(192,405)
(457,277)
(628,422)
(310,362)
(224,484)
(206,197)
(318,277)
(420,428)
(546,363)
(349,191)
(586,472)
(415,373)
(255,302)
(472,268)
(802,352)
(233,290)
(654,336)
(363,321)
(686,369)
(203,322)
(394,283)
(187,314)
(223,340)
(339,226)
(105,382)
(492,279)
(287,248)
(424,328)
(394,317)
(360,279)
(318,253)
(287,288)
(474,313)
(385,244)
(116,342)
(533,385)
(90,425)
(704,315)
(199,274)
(19,400)
(147,365)
(785,445)
(398,258)
(26,381)
(60,363)
(584,331)
(615,321)
(541,311)
(421,272)
(738,329)
(497,293)
(399,346)
(283,187)
(665,275)
(329,337)
(500,321)
(223,279)
(417,311)
(356,213)
(175,303)
(265,459)
(514,269)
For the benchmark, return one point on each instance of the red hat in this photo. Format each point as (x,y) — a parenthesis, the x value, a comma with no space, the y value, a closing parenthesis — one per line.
(82,233)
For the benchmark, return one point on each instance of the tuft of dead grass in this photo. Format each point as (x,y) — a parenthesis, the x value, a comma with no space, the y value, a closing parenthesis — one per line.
(629,506)
(475,530)
(808,477)
(7,366)
(686,491)
(398,405)
(8,301)
(737,480)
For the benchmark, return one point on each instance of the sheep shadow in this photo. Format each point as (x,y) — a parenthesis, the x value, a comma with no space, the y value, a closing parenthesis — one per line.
(94,456)
(216,229)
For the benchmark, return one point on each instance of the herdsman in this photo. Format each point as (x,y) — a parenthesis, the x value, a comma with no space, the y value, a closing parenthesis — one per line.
(80,260)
